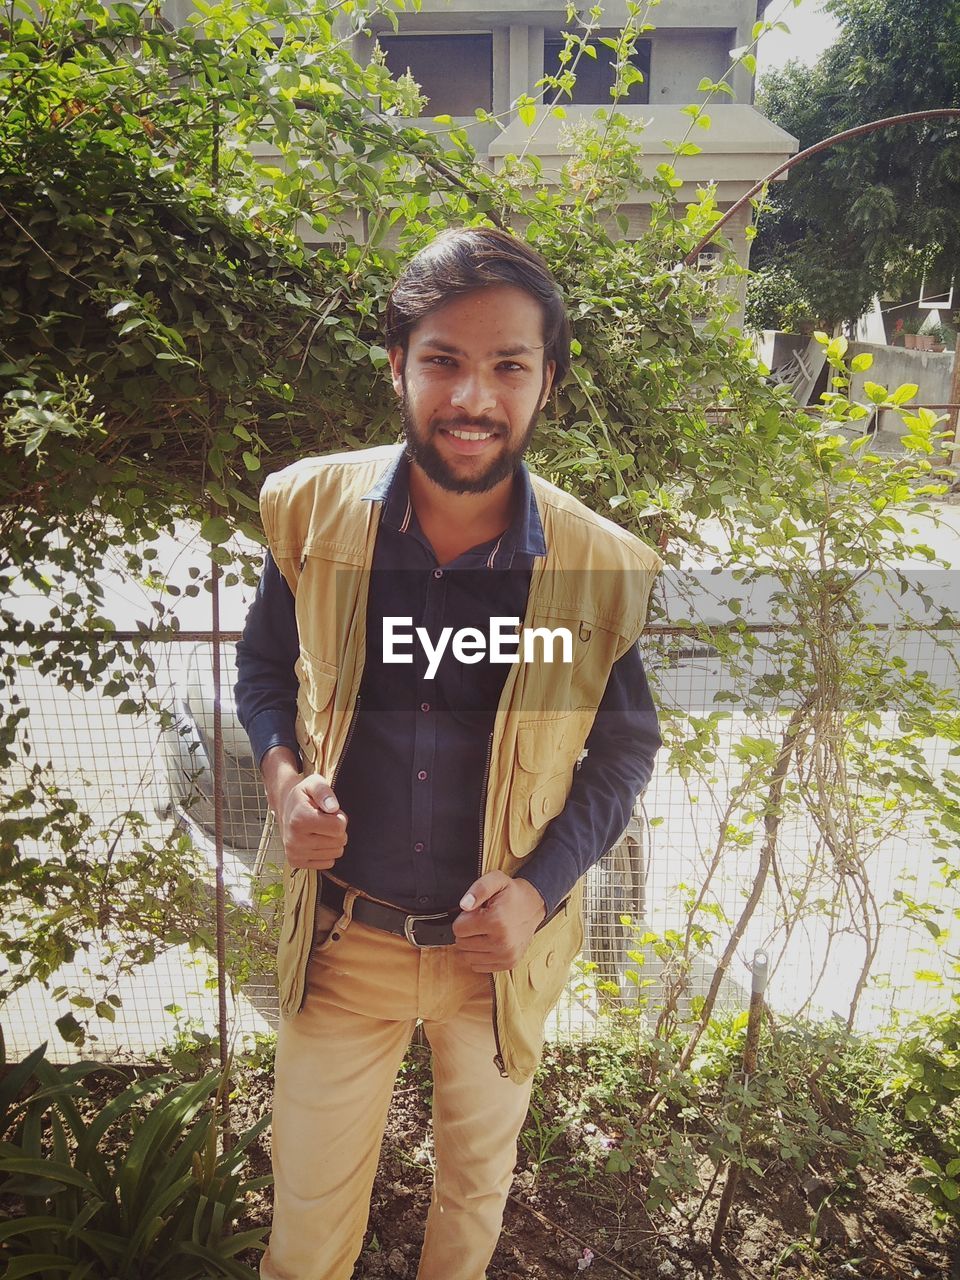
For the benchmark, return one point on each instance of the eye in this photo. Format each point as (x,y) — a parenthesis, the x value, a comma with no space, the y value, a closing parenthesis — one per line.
(511,366)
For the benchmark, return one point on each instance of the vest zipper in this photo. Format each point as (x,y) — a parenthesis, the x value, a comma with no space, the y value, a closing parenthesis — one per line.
(333,780)
(498,1056)
(346,744)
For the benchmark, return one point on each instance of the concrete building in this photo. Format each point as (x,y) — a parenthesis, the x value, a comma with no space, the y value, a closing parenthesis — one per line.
(466,55)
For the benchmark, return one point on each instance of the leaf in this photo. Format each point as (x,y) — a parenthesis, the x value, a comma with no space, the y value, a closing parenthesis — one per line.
(527,114)
(252,463)
(215,530)
(873,391)
(919,1107)
(906,391)
(70,1029)
(862,362)
(120,307)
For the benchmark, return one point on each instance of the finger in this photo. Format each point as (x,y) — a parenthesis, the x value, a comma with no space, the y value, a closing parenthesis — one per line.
(320,793)
(469,924)
(474,945)
(319,861)
(483,890)
(305,823)
(304,849)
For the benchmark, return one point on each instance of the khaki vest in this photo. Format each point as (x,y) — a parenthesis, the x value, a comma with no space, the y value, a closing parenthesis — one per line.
(595,580)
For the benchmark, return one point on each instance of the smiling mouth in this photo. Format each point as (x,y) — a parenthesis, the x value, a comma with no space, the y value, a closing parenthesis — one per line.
(462,434)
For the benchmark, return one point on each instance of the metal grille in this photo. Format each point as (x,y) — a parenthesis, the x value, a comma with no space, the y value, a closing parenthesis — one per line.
(112,764)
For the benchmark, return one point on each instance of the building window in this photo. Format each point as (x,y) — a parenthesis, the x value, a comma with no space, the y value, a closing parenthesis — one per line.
(454,72)
(595,76)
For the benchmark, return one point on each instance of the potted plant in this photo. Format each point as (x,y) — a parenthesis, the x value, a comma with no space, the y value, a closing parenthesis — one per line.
(942,337)
(911,325)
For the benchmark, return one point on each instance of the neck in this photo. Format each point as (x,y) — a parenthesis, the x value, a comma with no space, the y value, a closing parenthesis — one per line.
(469,518)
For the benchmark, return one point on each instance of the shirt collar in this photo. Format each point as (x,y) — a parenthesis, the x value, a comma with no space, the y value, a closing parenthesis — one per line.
(523,536)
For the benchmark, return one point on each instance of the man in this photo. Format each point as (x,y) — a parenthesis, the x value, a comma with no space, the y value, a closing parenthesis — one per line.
(435,822)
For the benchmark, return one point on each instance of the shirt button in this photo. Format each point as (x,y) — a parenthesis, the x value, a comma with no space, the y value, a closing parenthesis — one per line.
(438,573)
(423,901)
(422,775)
(419,848)
(424,706)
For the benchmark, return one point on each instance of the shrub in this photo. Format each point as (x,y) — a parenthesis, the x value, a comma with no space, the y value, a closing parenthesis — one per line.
(160,1208)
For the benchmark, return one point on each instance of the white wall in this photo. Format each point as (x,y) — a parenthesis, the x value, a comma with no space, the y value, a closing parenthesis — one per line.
(893,366)
(680,59)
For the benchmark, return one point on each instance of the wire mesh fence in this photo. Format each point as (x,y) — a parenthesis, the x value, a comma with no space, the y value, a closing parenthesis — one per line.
(659,907)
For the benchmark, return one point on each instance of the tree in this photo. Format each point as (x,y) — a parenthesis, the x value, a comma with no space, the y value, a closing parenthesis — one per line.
(873,214)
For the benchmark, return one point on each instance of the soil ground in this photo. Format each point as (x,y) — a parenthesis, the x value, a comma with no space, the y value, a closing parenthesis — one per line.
(566,1216)
(560,1222)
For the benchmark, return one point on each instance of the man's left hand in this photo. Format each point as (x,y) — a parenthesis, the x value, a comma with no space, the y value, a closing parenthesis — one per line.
(499,915)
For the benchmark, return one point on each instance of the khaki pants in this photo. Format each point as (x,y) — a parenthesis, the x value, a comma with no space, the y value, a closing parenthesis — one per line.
(337,1060)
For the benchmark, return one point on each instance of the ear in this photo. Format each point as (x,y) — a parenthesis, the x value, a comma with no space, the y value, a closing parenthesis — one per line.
(397,356)
(548,375)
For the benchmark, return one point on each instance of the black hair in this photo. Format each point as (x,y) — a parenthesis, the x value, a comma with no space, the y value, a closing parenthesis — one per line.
(466,258)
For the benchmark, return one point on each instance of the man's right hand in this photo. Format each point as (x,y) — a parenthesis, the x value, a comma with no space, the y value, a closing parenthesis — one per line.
(313,827)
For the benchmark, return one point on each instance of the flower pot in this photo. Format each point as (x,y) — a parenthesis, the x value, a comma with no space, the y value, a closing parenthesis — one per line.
(938,346)
(910,341)
(924,342)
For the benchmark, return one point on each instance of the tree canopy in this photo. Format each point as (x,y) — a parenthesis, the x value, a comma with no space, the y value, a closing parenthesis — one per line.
(872,215)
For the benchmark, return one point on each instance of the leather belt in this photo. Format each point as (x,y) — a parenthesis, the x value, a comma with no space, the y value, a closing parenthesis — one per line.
(419,930)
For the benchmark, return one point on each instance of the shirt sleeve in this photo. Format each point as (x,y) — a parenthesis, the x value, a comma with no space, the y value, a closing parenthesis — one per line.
(621,749)
(266,690)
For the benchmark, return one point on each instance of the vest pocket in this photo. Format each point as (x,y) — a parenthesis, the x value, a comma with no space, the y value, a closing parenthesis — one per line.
(547,751)
(535,984)
(318,681)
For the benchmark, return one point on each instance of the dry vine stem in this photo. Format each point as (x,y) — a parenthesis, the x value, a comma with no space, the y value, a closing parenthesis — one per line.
(749,1067)
(798,726)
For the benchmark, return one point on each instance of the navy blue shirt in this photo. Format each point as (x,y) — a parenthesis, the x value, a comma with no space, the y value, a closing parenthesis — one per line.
(412,778)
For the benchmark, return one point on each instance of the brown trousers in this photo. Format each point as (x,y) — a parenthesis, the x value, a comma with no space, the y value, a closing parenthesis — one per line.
(337,1060)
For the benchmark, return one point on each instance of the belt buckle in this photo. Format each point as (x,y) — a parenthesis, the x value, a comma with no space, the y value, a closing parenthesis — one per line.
(409,929)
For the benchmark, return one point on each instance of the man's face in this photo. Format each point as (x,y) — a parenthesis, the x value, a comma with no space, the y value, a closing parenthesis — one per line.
(471,385)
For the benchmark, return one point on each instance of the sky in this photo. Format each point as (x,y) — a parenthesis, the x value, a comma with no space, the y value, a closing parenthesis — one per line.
(811,31)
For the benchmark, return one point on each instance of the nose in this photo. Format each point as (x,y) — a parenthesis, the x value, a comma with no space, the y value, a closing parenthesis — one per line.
(473,393)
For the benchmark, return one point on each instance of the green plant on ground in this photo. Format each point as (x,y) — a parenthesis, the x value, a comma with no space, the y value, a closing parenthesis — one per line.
(161,1207)
(927,1084)
(540,1137)
(817,1099)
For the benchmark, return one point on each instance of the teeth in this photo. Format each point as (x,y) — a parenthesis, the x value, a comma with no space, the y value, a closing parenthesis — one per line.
(472,435)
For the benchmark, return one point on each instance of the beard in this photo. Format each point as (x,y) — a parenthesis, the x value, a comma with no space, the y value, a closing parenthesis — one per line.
(422,449)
